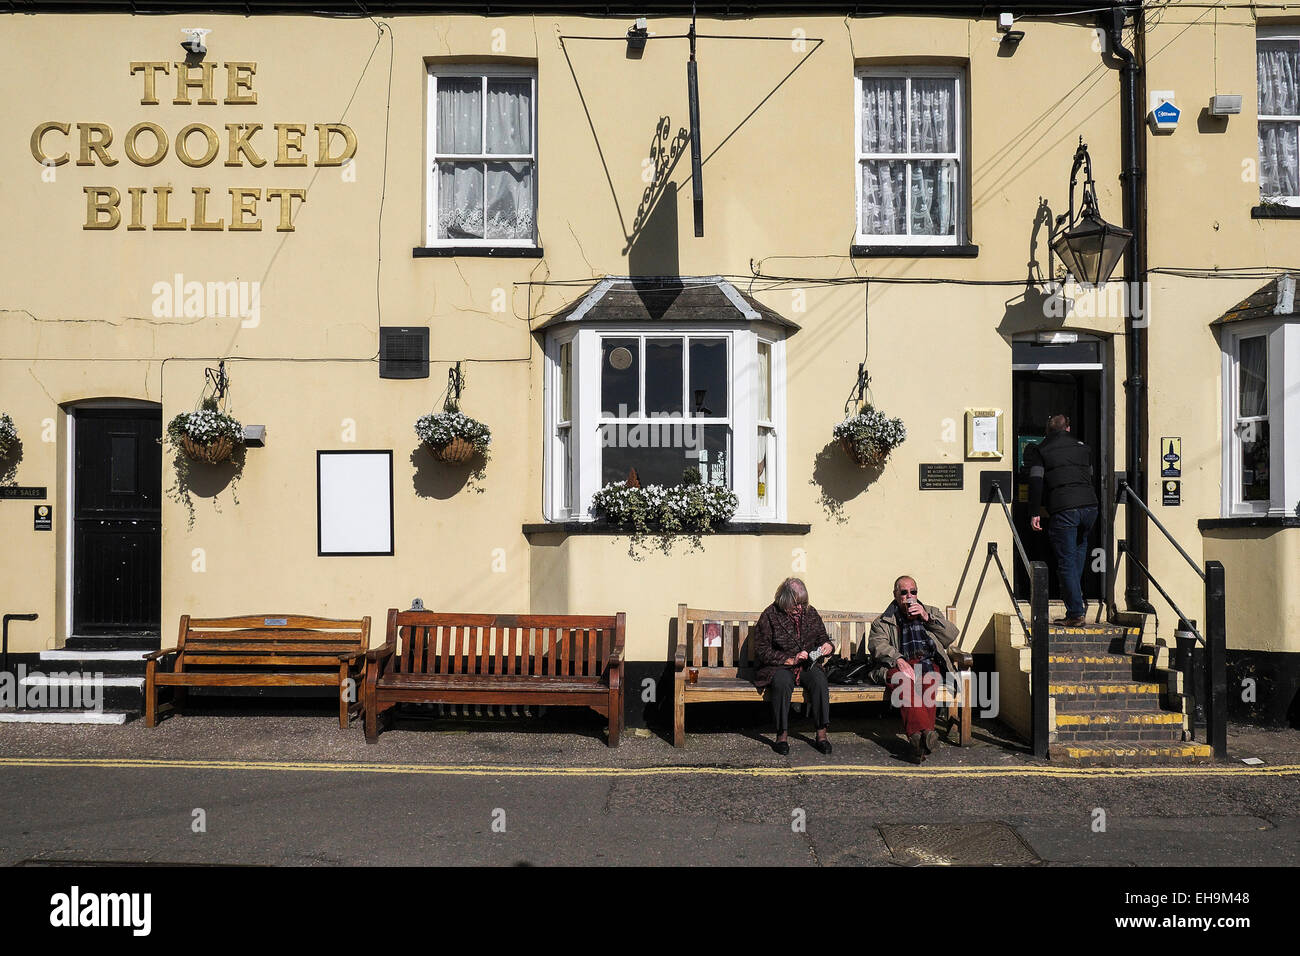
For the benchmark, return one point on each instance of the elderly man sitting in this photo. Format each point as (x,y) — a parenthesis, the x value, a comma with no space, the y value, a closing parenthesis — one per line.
(909,641)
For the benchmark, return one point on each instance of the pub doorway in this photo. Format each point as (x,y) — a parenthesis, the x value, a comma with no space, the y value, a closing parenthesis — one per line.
(116,519)
(1066,374)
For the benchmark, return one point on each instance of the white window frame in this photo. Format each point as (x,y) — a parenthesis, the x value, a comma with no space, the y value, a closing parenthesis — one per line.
(485,71)
(1283,370)
(1273,34)
(585,438)
(860,158)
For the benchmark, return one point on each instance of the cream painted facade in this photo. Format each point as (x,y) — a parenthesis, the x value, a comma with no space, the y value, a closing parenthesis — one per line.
(77,322)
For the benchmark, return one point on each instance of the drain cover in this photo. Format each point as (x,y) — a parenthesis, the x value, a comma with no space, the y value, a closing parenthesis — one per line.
(957,844)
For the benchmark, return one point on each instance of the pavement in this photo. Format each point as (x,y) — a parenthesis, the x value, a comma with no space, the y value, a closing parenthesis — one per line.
(278,783)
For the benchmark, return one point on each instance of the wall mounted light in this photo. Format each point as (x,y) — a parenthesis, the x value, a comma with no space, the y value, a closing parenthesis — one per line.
(193,42)
(1225,104)
(637,34)
(1089,247)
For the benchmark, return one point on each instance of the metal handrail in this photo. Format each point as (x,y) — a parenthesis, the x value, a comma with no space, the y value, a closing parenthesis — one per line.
(1126,492)
(1122,547)
(1015,535)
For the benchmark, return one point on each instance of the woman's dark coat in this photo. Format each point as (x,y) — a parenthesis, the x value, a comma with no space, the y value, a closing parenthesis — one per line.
(775,640)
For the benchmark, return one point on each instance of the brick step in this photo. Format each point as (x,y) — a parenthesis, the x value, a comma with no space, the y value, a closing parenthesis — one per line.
(1116,696)
(1070,644)
(1117,754)
(1086,667)
(1118,726)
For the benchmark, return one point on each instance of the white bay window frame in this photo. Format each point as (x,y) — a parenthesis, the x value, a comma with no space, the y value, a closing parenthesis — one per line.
(579,481)
(1283,416)
(485,71)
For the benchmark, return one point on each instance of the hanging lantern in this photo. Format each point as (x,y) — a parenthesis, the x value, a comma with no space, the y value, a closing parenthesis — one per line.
(1090,247)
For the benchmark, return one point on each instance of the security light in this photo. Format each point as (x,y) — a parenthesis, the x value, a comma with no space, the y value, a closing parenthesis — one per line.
(193,42)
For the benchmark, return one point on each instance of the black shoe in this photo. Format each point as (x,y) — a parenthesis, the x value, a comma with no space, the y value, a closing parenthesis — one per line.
(823,744)
(782,747)
(917,750)
(930,741)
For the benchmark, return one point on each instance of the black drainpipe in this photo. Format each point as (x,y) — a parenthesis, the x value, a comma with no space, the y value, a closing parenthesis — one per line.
(1135,273)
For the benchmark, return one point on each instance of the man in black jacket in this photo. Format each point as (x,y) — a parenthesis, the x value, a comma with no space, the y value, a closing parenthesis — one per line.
(1062,468)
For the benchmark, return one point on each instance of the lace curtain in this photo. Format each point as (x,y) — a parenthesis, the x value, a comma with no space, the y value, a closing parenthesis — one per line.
(888,209)
(485,199)
(1278,67)
(1252,378)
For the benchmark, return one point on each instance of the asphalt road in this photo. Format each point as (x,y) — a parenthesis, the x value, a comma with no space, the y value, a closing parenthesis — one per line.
(289,790)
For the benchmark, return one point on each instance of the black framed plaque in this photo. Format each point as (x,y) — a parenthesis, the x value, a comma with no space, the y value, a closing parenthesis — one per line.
(941,476)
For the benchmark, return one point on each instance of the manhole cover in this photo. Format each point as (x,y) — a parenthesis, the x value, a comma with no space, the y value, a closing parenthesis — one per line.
(957,844)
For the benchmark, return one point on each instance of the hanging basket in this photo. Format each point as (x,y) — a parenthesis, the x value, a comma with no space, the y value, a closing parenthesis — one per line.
(213,453)
(456,451)
(873,459)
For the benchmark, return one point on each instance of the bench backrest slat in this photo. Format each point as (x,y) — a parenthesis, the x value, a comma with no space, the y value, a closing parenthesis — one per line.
(271,639)
(724,640)
(507,644)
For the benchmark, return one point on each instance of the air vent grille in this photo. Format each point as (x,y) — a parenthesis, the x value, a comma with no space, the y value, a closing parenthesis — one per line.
(403,353)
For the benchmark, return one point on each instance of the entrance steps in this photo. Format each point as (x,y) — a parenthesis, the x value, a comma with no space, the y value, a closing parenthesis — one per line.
(1113,699)
(92,680)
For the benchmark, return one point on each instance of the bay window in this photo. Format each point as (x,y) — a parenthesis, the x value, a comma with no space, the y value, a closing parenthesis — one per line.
(658,402)
(1261,418)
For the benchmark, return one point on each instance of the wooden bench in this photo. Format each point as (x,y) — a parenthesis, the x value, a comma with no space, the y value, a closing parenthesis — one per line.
(262,651)
(434,658)
(727,668)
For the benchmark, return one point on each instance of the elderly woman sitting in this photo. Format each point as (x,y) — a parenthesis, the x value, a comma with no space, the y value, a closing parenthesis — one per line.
(787,632)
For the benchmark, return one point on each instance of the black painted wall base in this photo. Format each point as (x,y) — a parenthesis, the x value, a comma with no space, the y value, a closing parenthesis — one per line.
(1276,688)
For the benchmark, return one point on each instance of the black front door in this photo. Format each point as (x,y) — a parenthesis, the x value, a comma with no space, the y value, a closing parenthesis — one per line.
(117,526)
(1036,395)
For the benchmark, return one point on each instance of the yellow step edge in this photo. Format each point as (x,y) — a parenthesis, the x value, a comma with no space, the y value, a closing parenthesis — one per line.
(1094,720)
(1085,659)
(1103,688)
(1181,750)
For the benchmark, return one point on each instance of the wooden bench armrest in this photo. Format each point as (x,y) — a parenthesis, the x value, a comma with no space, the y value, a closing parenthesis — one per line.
(381,652)
(679,657)
(962,660)
(352,656)
(159,655)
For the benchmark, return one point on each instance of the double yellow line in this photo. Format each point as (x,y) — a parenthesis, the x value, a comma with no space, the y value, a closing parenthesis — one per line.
(484,770)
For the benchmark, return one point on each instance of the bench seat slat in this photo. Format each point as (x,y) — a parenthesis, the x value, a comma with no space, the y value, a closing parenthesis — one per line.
(263,660)
(235,679)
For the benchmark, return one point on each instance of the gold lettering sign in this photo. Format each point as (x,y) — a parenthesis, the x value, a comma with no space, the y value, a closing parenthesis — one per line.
(148,143)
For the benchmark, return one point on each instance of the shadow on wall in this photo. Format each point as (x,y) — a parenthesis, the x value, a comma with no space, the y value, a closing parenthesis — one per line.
(1035,309)
(9,462)
(194,479)
(434,478)
(838,480)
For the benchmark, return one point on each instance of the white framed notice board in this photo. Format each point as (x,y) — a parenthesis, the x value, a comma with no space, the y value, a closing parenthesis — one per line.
(354,503)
